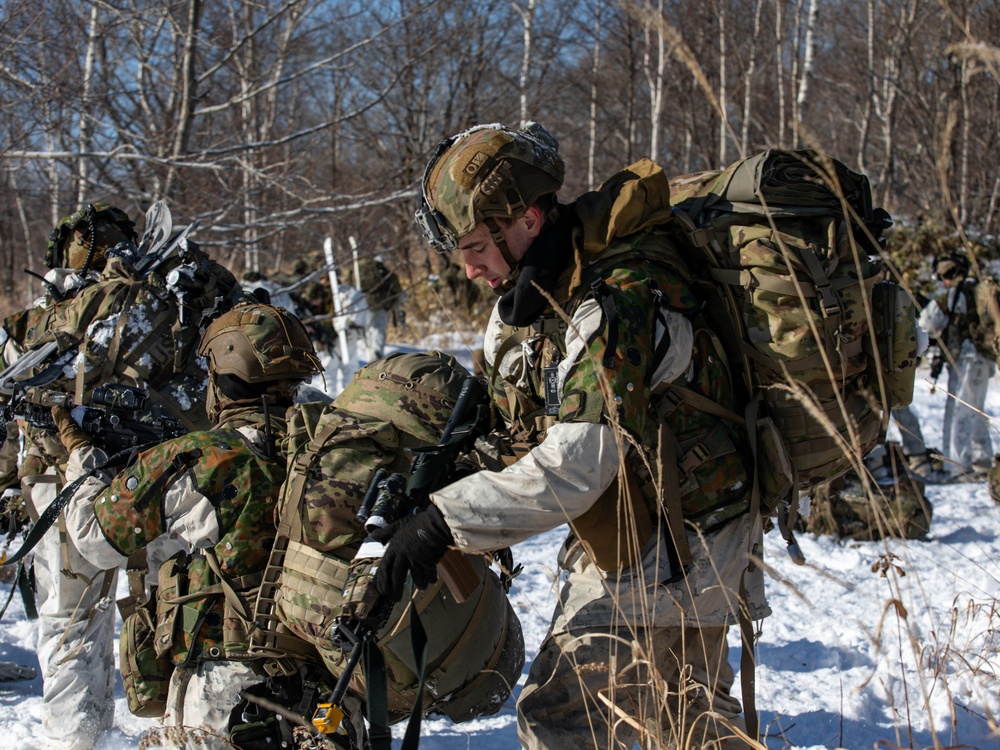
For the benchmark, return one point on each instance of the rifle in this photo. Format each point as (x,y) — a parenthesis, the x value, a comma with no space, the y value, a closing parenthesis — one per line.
(387,500)
(115,424)
(115,421)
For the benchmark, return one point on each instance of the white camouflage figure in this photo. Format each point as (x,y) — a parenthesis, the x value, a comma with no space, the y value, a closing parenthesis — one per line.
(103,329)
(951,319)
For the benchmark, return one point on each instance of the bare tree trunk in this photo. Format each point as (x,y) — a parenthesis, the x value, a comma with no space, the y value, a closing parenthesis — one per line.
(748,80)
(793,81)
(723,102)
(866,119)
(779,59)
(993,206)
(802,98)
(185,112)
(963,154)
(83,127)
(654,79)
(595,68)
(527,14)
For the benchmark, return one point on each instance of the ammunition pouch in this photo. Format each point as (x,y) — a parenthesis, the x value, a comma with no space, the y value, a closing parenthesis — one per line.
(145,672)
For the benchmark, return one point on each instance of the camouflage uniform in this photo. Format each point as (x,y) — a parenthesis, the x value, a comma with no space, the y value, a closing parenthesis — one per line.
(221,503)
(76,622)
(952,320)
(627,614)
(111,327)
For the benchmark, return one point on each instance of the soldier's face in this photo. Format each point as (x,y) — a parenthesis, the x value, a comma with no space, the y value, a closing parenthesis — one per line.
(482,257)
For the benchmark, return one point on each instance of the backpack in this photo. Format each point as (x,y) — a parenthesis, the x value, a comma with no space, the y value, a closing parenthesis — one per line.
(138,330)
(987,333)
(475,648)
(783,241)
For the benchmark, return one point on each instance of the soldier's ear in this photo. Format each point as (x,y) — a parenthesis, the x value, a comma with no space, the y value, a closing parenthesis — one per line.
(533,220)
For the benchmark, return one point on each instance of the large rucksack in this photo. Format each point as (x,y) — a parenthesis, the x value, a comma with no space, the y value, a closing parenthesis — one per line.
(137,329)
(782,251)
(475,649)
(786,242)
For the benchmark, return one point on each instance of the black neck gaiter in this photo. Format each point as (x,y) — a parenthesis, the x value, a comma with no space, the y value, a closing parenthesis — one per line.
(542,264)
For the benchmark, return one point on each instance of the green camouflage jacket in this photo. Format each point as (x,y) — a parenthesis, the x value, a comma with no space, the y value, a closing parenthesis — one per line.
(218,491)
(604,386)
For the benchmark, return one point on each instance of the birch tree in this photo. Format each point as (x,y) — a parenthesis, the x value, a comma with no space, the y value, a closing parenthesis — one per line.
(805,79)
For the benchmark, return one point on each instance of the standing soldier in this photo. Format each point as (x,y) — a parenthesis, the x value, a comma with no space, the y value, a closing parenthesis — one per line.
(637,649)
(109,324)
(966,344)
(214,490)
(384,297)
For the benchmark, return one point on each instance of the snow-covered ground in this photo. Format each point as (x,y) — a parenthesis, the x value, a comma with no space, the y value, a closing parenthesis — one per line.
(850,658)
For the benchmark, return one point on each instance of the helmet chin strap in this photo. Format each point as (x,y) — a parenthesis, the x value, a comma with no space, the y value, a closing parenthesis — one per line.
(500,240)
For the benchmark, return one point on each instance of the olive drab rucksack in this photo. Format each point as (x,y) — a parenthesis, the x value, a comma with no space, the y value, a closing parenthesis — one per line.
(987,330)
(138,330)
(475,649)
(826,345)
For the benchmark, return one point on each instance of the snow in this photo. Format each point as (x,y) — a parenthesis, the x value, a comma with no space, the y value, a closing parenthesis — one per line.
(850,658)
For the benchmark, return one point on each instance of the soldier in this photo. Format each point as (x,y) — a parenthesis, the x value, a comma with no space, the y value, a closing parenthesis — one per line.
(636,650)
(384,297)
(216,491)
(953,320)
(109,324)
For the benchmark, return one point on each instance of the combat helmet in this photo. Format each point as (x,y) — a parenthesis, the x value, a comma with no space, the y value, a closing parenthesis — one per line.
(416,392)
(255,349)
(80,240)
(483,174)
(952,266)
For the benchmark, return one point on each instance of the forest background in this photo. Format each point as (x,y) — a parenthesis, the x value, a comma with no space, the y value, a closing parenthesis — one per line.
(278,123)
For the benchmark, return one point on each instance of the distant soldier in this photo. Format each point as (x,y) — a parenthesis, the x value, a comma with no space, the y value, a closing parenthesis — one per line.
(966,343)
(385,298)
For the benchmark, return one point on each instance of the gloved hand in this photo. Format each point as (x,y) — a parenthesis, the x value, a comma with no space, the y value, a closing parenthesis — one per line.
(13,514)
(416,544)
(70,434)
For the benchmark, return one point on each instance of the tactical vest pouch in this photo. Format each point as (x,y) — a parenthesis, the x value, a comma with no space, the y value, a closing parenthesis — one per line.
(617,527)
(894,338)
(775,474)
(309,595)
(172,580)
(145,672)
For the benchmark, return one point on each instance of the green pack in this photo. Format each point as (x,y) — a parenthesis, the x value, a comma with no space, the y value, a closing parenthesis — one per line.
(140,331)
(145,674)
(475,648)
(987,329)
(826,343)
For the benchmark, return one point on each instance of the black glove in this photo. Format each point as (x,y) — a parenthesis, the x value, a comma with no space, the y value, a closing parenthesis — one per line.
(416,544)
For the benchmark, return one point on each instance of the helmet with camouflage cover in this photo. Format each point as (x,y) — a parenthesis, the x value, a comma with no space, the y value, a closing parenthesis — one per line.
(416,392)
(80,240)
(952,266)
(483,174)
(255,349)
